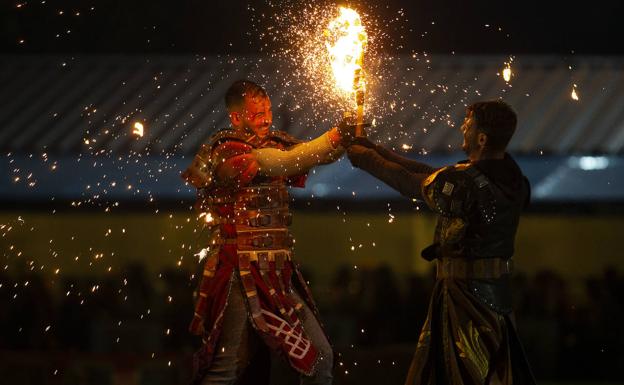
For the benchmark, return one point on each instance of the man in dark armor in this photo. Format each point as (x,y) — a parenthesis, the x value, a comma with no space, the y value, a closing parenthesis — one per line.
(469,335)
(251,293)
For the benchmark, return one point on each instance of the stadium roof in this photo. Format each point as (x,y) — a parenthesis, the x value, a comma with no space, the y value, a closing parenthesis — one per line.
(75,115)
(54,104)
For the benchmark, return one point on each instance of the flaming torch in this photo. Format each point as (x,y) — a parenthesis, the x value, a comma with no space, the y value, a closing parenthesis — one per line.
(346,43)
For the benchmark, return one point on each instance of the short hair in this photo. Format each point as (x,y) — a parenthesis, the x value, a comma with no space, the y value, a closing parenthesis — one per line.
(497,120)
(235,95)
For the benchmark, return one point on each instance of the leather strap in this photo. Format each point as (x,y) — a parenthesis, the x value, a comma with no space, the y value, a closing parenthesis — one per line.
(484,268)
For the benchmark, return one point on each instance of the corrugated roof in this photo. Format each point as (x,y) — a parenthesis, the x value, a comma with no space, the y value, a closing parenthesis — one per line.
(80,111)
(55,103)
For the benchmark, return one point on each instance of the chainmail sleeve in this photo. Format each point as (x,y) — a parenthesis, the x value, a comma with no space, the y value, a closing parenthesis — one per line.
(297,159)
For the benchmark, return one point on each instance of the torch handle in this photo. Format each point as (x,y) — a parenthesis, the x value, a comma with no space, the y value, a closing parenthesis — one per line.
(358,85)
(359,120)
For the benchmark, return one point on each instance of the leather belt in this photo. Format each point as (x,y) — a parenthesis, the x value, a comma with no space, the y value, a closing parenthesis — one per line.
(483,268)
(252,218)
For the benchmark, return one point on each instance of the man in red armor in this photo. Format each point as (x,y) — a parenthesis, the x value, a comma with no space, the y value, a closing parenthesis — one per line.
(251,291)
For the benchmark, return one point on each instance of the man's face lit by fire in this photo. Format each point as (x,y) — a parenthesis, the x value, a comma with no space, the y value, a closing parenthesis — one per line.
(471,145)
(256,115)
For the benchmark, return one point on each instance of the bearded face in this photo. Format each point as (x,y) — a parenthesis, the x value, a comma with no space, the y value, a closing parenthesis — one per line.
(257,115)
(470,133)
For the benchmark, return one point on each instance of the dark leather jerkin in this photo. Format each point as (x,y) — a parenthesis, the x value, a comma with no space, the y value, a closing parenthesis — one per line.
(490,215)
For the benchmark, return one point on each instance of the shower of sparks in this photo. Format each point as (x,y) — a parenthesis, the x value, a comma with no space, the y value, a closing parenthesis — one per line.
(297,37)
(320,47)
(574,94)
(138,129)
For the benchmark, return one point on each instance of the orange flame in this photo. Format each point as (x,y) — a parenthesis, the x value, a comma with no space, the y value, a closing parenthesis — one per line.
(346,40)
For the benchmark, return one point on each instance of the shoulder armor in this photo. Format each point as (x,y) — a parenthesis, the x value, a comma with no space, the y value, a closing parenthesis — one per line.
(447,190)
(226,134)
(199,173)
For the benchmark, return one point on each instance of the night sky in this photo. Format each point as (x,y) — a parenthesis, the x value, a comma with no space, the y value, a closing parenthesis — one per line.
(200,26)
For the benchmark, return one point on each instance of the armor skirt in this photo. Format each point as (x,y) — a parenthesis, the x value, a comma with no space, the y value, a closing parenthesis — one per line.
(464,342)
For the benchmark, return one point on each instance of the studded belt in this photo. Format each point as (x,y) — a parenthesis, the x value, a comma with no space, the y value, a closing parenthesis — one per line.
(483,268)
(264,218)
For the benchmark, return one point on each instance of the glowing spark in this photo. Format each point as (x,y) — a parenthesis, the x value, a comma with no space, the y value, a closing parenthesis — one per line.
(346,42)
(507,73)
(202,254)
(406,146)
(208,218)
(574,94)
(138,129)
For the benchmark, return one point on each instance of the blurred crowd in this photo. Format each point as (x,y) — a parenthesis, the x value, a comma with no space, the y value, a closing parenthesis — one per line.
(570,330)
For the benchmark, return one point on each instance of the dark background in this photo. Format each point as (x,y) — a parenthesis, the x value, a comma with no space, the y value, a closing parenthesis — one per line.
(120,26)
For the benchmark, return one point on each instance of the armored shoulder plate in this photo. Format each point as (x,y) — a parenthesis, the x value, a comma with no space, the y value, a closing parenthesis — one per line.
(447,190)
(227,134)
(199,173)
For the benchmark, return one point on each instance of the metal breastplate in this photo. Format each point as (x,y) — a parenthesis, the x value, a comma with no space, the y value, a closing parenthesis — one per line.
(261,217)
(256,216)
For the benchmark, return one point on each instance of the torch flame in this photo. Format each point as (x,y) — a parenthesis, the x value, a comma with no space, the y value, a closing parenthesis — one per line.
(138,129)
(346,41)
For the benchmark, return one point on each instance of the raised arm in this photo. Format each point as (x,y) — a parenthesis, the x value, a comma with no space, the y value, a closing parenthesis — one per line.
(409,164)
(407,182)
(238,163)
(299,158)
